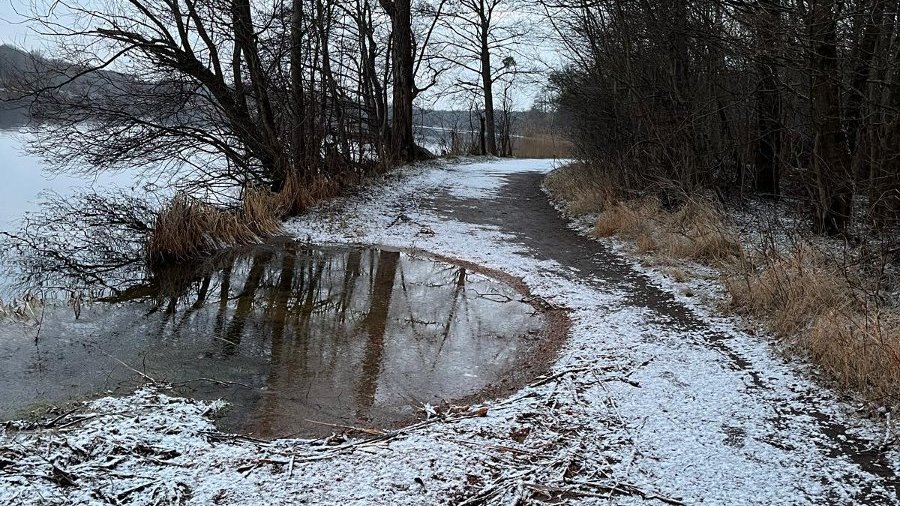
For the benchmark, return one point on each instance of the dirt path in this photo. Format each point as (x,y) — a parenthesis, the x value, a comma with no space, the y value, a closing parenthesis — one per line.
(523,210)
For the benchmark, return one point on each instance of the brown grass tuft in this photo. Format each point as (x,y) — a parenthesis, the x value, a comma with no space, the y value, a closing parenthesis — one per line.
(542,146)
(629,219)
(645,244)
(861,351)
(299,194)
(812,304)
(695,231)
(582,189)
(188,228)
(677,274)
(698,231)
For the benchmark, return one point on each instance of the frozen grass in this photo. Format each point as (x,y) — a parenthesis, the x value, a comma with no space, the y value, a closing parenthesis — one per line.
(25,309)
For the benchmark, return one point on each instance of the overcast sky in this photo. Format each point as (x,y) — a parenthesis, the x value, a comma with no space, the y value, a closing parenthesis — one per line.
(11,29)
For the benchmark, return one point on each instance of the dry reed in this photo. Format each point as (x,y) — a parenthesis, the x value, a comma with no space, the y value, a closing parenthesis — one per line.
(696,230)
(542,146)
(813,303)
(188,228)
(582,189)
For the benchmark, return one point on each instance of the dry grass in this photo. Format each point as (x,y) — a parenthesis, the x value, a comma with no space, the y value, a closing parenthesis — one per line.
(542,146)
(812,303)
(582,189)
(188,228)
(677,274)
(696,230)
(823,309)
(299,194)
(792,290)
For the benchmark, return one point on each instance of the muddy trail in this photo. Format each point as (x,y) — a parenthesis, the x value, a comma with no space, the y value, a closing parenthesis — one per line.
(523,210)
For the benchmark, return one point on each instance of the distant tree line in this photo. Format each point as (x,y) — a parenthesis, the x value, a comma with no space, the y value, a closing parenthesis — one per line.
(796,98)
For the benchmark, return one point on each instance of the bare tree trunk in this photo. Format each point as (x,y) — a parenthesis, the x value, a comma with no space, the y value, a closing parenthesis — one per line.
(863,56)
(885,198)
(403,147)
(831,155)
(768,103)
(487,85)
(482,138)
(298,134)
(246,35)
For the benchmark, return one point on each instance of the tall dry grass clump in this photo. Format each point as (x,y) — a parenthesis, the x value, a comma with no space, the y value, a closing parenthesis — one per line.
(861,350)
(299,194)
(630,219)
(698,230)
(188,228)
(790,289)
(582,189)
(815,305)
(695,230)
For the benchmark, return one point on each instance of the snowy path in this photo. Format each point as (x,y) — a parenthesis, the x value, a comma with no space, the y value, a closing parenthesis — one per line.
(653,398)
(717,416)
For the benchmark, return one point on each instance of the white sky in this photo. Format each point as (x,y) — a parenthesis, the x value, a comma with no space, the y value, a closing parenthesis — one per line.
(11,29)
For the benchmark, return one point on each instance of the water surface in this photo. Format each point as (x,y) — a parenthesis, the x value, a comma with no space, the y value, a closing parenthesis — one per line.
(295,337)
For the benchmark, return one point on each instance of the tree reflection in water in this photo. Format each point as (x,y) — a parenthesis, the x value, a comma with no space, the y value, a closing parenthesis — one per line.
(289,333)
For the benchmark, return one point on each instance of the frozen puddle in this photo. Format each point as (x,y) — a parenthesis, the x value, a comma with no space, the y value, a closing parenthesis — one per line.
(297,339)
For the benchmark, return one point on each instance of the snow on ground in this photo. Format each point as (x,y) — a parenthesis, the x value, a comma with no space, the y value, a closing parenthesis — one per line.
(636,408)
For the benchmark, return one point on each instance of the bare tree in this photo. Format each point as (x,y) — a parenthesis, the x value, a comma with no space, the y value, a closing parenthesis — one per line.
(403,145)
(245,93)
(831,156)
(768,98)
(484,37)
(658,98)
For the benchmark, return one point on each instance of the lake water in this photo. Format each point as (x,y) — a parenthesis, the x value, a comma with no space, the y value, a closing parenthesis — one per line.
(298,338)
(293,336)
(25,179)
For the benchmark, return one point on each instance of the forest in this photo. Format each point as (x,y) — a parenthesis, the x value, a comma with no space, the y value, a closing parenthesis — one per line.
(777,99)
